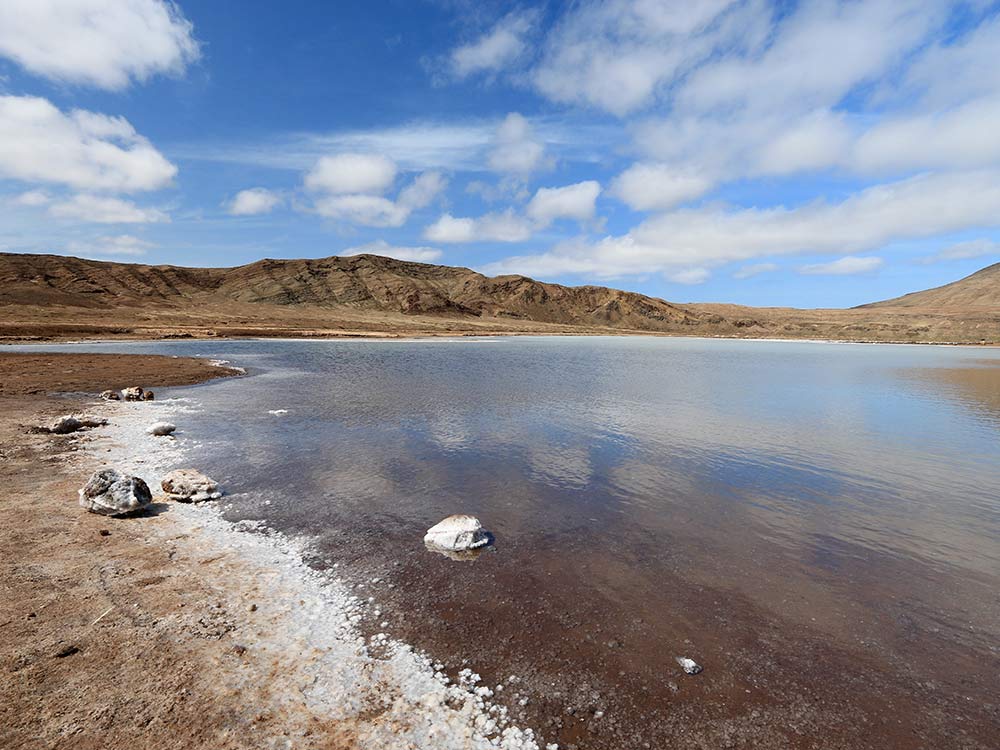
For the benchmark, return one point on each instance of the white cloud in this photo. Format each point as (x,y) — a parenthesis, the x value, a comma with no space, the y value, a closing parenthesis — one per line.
(689,276)
(32,199)
(85,150)
(496,49)
(755,269)
(352,173)
(105,210)
(569,202)
(646,186)
(379,211)
(924,206)
(496,227)
(517,152)
(422,191)
(104,43)
(381,247)
(966,250)
(617,54)
(846,266)
(123,244)
(253,201)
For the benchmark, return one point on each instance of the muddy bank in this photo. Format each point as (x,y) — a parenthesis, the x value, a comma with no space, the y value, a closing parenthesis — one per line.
(174,630)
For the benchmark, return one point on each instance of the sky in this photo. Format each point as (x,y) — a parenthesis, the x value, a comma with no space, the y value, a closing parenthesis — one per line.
(810,154)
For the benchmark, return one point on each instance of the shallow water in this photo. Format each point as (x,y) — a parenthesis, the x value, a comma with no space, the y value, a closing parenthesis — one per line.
(650,497)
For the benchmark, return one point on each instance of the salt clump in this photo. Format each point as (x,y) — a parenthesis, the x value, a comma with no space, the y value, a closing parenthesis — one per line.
(458,533)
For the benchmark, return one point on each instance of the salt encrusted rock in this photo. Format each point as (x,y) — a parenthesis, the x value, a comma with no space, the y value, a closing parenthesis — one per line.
(190,486)
(161,429)
(148,396)
(111,396)
(690,666)
(69,423)
(133,393)
(111,493)
(457,534)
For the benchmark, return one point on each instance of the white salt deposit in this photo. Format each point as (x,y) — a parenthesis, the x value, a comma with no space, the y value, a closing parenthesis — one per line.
(300,611)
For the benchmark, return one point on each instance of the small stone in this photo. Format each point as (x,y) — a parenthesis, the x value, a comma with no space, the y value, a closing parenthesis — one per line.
(190,486)
(148,396)
(104,532)
(239,650)
(253,607)
(66,650)
(111,396)
(111,493)
(133,393)
(690,666)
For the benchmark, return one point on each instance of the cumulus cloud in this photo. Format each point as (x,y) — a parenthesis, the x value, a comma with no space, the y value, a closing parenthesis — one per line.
(846,266)
(32,199)
(755,269)
(352,173)
(516,152)
(494,50)
(381,247)
(569,202)
(923,206)
(689,276)
(966,250)
(650,186)
(81,149)
(253,201)
(336,177)
(99,209)
(96,42)
(123,245)
(495,227)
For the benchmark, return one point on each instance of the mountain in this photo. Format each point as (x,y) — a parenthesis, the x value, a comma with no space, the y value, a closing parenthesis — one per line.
(979,290)
(50,297)
(361,283)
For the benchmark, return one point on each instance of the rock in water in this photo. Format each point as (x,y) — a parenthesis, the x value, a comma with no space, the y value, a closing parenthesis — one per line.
(690,666)
(148,396)
(112,493)
(111,396)
(190,486)
(161,429)
(133,393)
(457,534)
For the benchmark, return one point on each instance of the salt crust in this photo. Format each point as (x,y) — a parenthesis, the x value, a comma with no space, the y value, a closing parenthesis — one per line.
(307,621)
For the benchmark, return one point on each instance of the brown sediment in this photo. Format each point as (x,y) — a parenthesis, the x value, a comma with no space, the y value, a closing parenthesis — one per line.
(110,638)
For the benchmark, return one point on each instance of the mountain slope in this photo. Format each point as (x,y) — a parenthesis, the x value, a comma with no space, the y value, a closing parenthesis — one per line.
(361,283)
(979,290)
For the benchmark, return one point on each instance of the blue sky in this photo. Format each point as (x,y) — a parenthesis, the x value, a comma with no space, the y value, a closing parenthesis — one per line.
(806,154)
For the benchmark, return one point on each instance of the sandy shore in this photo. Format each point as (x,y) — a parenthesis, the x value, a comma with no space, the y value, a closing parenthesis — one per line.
(173,629)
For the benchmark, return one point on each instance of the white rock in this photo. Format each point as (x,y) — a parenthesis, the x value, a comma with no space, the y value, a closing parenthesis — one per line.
(111,493)
(133,393)
(457,534)
(690,666)
(160,429)
(111,396)
(190,486)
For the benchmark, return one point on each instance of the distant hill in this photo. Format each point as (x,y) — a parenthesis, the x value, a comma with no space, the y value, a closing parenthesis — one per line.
(54,297)
(359,283)
(981,289)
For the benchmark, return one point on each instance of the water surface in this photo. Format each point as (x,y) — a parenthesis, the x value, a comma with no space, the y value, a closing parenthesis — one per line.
(799,517)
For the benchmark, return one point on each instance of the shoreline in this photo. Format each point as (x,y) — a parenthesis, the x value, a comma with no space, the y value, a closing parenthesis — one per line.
(286,657)
(458,337)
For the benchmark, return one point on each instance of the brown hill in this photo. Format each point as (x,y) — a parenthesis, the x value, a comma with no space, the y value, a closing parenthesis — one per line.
(44,297)
(349,285)
(979,290)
